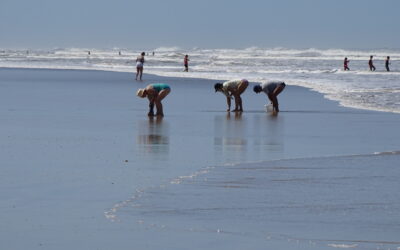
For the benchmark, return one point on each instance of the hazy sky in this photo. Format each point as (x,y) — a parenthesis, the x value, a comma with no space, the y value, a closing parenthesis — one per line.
(200,23)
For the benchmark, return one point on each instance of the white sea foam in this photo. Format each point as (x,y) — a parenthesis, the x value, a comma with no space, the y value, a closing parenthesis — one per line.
(318,69)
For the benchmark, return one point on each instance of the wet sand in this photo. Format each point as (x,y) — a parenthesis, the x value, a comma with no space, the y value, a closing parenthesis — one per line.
(80,156)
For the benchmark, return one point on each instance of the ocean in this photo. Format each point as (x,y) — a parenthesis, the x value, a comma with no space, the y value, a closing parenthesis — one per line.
(318,69)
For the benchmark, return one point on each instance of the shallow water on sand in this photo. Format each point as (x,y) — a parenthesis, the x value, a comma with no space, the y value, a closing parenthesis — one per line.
(314,203)
(83,167)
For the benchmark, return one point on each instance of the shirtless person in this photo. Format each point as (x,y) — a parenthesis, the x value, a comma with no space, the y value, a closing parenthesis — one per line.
(346,64)
(233,88)
(155,92)
(371,64)
(272,89)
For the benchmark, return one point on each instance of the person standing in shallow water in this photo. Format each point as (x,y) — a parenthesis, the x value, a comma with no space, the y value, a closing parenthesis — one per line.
(387,63)
(139,66)
(371,64)
(233,89)
(155,92)
(186,63)
(272,89)
(346,64)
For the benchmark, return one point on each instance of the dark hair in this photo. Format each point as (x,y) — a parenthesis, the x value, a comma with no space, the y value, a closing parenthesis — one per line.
(218,86)
(143,53)
(257,88)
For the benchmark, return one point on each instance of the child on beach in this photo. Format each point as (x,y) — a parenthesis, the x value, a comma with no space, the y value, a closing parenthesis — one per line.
(139,66)
(186,63)
(371,64)
(155,92)
(346,64)
(233,88)
(272,89)
(387,63)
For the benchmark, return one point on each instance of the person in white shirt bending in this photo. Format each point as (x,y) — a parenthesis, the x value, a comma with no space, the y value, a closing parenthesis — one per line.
(233,88)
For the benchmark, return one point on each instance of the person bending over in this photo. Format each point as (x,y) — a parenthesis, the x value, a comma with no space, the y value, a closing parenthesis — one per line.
(155,92)
(272,89)
(233,88)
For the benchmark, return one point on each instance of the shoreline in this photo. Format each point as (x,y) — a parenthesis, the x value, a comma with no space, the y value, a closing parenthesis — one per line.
(325,95)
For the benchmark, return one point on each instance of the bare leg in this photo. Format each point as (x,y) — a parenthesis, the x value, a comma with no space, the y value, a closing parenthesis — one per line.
(163,93)
(137,72)
(151,109)
(238,100)
(273,97)
(141,73)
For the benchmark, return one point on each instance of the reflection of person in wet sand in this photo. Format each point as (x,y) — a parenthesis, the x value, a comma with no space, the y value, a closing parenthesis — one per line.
(272,89)
(233,88)
(155,92)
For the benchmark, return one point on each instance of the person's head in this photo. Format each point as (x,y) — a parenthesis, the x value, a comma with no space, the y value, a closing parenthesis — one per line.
(257,89)
(141,93)
(218,86)
(186,56)
(388,57)
(345,58)
(371,57)
(143,54)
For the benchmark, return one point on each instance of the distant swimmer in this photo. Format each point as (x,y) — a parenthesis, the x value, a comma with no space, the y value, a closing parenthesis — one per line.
(139,66)
(186,63)
(119,53)
(272,89)
(233,88)
(371,64)
(155,92)
(346,64)
(88,52)
(387,63)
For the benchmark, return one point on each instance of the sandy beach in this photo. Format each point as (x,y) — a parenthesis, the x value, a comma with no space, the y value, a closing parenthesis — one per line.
(83,167)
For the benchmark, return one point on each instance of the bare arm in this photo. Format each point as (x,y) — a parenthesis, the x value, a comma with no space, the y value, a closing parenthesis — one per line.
(228,101)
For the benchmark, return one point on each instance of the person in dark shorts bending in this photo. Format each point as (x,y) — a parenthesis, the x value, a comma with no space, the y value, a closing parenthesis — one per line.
(272,89)
(155,93)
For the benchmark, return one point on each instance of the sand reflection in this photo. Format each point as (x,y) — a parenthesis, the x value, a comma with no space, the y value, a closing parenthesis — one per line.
(230,132)
(153,136)
(269,132)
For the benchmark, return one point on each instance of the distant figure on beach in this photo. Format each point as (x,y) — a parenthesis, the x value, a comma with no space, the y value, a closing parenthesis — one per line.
(233,88)
(88,52)
(139,66)
(155,92)
(119,53)
(153,53)
(387,63)
(186,63)
(272,89)
(371,64)
(346,64)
